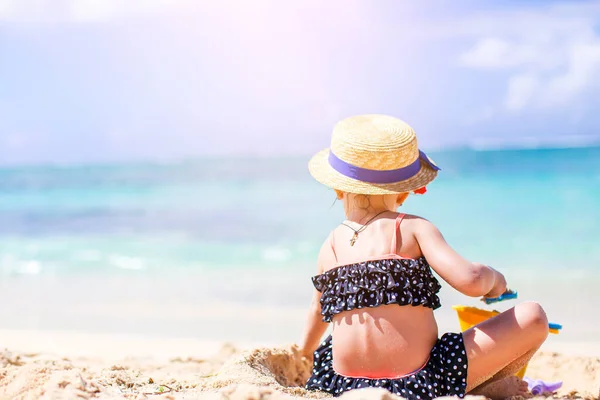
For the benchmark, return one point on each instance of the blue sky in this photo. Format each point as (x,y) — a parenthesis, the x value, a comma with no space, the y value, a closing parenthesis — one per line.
(103,80)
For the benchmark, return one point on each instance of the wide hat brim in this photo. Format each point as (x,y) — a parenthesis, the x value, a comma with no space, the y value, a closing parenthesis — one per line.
(324,173)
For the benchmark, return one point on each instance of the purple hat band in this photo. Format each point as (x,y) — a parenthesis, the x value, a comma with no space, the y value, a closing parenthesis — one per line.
(377,176)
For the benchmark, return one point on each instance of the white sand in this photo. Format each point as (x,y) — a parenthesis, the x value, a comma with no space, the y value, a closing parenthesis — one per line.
(66,365)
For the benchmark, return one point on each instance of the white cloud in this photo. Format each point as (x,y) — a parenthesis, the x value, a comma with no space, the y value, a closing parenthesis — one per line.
(497,53)
(521,88)
(487,53)
(583,71)
(551,55)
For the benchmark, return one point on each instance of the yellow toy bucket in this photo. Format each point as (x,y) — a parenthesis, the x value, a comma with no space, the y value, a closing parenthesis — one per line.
(471,316)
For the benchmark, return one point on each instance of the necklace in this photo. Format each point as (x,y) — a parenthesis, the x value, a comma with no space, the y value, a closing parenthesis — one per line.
(356,232)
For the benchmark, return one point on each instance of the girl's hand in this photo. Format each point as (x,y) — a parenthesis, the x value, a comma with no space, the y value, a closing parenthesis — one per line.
(499,286)
(307,354)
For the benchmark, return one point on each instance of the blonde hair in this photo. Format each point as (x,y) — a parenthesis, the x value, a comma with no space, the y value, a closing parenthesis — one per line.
(366,201)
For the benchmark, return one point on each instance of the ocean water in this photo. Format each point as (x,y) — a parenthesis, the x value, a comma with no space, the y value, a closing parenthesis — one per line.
(214,241)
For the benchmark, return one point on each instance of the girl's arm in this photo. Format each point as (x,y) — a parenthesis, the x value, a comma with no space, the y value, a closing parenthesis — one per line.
(315,326)
(471,279)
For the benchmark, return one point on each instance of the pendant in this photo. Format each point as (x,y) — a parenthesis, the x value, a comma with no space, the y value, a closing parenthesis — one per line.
(353,240)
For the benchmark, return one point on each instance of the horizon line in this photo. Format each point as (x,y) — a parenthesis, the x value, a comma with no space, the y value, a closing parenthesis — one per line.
(476,148)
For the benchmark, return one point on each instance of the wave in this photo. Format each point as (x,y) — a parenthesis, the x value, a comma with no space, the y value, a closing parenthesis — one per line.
(11,265)
(126,262)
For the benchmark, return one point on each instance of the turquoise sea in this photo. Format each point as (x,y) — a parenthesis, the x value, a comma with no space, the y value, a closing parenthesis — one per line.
(193,248)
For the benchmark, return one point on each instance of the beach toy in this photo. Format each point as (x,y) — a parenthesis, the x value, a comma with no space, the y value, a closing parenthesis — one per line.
(538,386)
(508,295)
(554,328)
(471,316)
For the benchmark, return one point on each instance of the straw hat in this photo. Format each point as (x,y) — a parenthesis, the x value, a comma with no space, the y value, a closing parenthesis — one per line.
(373,154)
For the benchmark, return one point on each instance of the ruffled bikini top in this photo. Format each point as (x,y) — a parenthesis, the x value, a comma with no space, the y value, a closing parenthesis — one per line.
(389,280)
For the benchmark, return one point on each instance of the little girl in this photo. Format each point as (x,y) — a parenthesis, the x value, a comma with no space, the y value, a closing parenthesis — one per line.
(375,282)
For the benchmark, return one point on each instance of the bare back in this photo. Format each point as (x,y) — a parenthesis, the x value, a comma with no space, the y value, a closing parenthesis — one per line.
(389,340)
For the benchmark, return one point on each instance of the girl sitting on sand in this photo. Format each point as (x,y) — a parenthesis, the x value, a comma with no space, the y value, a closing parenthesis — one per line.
(375,282)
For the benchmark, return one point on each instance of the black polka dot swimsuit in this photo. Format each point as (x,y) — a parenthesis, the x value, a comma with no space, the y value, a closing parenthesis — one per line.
(402,281)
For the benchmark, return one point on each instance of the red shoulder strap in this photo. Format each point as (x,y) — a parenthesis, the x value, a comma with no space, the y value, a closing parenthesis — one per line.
(394,244)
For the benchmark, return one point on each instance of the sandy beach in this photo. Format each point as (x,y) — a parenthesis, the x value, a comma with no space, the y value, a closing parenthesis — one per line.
(68,365)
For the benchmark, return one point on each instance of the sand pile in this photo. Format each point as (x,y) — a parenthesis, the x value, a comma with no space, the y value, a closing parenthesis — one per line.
(281,369)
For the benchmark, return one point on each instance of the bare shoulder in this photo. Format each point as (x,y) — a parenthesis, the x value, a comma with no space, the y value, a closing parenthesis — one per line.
(422,231)
(419,225)
(326,257)
(433,245)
